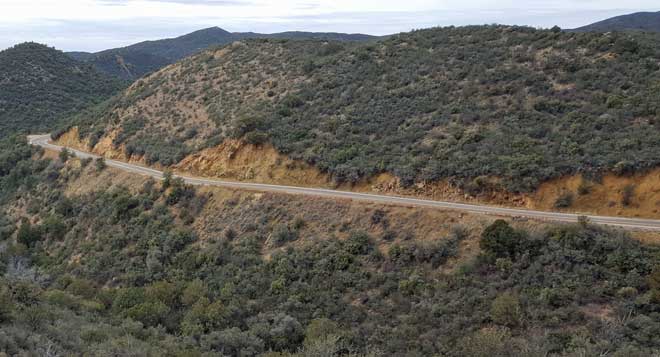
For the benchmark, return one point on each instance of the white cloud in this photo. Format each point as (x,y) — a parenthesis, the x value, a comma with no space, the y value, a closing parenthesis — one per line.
(100,24)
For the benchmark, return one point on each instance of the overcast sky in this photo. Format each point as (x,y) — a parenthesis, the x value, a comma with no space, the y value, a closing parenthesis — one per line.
(92,25)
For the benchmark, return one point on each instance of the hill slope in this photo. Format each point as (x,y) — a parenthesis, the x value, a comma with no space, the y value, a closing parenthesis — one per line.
(640,21)
(38,85)
(518,104)
(96,262)
(134,61)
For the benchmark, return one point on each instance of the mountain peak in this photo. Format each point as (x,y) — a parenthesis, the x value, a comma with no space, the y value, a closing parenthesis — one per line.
(639,21)
(211,31)
(214,29)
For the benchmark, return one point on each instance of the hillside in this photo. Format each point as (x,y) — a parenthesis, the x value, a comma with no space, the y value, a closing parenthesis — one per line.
(97,262)
(483,107)
(640,21)
(134,61)
(39,85)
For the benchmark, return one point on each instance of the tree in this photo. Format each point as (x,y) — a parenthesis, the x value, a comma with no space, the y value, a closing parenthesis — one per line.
(500,240)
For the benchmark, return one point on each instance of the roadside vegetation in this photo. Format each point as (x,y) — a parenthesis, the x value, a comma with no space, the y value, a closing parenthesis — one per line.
(127,271)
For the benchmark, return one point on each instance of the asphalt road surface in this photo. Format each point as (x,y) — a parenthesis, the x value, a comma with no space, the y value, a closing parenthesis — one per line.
(628,223)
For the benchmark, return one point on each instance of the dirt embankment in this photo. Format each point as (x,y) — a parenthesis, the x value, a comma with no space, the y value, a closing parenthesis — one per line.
(239,161)
(236,160)
(104,147)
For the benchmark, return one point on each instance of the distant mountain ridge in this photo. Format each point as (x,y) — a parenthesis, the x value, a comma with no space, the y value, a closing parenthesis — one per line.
(134,61)
(639,21)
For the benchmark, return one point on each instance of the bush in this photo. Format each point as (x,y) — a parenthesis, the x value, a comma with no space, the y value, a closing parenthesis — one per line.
(27,234)
(500,240)
(86,161)
(358,243)
(321,328)
(283,234)
(149,313)
(6,304)
(627,195)
(256,138)
(486,343)
(379,217)
(64,155)
(564,200)
(584,188)
(623,168)
(100,164)
(505,310)
(128,298)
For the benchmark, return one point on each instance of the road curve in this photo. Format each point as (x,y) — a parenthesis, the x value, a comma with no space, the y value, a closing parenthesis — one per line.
(627,223)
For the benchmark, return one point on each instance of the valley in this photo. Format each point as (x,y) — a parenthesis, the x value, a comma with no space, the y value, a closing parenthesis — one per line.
(455,191)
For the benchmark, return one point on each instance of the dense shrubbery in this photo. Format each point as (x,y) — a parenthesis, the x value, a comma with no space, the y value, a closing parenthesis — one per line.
(41,85)
(116,271)
(522,104)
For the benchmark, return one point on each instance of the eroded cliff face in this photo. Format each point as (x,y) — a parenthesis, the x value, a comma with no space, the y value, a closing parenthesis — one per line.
(237,160)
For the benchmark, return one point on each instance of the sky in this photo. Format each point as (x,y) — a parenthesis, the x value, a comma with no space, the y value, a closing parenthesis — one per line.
(94,25)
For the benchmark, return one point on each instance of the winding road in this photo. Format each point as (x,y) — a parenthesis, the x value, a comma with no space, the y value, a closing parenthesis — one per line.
(622,222)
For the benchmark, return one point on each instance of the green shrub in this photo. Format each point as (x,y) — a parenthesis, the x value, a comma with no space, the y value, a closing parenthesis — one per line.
(64,155)
(256,138)
(283,234)
(565,200)
(149,313)
(99,164)
(506,310)
(6,304)
(500,240)
(627,195)
(27,234)
(358,243)
(584,188)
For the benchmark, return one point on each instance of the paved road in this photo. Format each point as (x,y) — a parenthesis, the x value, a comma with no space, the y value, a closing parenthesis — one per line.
(628,223)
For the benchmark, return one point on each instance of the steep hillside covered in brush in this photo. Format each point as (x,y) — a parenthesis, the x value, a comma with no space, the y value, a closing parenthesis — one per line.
(39,85)
(519,104)
(98,262)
